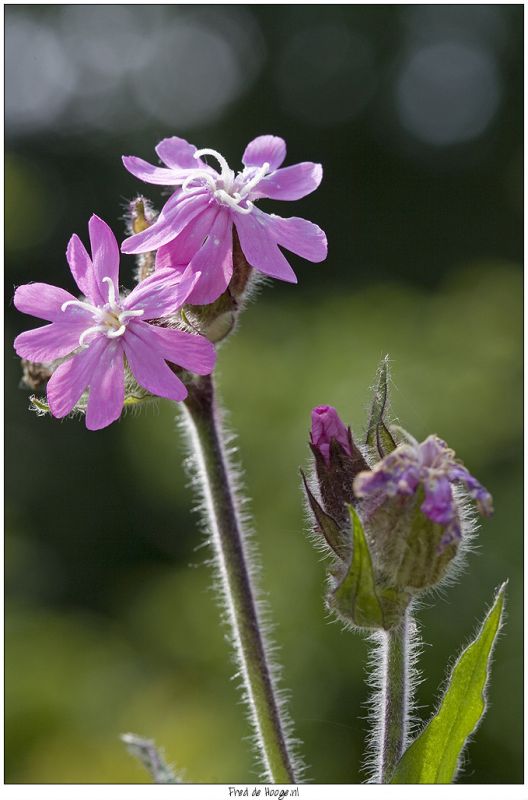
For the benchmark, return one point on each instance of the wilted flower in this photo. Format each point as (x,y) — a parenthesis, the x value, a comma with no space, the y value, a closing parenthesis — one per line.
(104,328)
(195,227)
(431,465)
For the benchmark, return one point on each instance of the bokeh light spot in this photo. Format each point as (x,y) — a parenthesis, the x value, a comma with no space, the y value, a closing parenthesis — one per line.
(448,92)
(39,78)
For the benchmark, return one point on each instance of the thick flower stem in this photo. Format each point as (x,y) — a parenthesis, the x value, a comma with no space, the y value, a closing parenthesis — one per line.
(232,558)
(395,691)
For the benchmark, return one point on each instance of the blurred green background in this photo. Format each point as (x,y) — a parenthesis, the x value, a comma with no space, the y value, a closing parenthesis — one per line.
(416,114)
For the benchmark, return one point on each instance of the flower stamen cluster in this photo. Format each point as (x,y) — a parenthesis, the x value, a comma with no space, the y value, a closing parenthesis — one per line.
(111,318)
(225,187)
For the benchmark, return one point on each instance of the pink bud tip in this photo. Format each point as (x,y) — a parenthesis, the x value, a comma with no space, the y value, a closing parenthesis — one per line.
(327,425)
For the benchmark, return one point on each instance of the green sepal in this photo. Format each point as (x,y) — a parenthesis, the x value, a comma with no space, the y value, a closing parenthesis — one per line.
(434,756)
(424,562)
(336,538)
(214,321)
(355,598)
(407,547)
(41,406)
(379,437)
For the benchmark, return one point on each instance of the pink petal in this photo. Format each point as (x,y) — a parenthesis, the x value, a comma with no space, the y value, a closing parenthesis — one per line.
(168,226)
(298,235)
(50,341)
(265,148)
(180,250)
(162,293)
(150,174)
(178,154)
(105,254)
(150,370)
(192,352)
(179,198)
(83,271)
(260,249)
(107,388)
(215,262)
(70,379)
(42,300)
(291,183)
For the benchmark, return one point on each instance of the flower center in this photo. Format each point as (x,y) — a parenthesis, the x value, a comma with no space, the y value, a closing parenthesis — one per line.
(110,318)
(226,188)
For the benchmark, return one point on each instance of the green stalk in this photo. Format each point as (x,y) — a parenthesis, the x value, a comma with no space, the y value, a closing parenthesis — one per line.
(232,558)
(394,696)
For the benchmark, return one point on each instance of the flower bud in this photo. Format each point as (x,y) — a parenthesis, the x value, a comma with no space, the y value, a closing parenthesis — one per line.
(141,215)
(337,461)
(414,513)
(327,425)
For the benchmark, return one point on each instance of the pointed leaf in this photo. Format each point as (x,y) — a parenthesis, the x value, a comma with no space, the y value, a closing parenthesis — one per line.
(434,756)
(151,757)
(336,538)
(355,598)
(378,435)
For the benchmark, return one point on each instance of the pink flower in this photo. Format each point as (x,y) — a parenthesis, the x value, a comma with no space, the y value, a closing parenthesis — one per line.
(195,226)
(103,328)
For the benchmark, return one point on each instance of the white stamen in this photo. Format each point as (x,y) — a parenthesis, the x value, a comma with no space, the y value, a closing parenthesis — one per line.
(114,334)
(111,291)
(80,304)
(259,174)
(199,174)
(227,200)
(226,170)
(126,314)
(223,186)
(88,331)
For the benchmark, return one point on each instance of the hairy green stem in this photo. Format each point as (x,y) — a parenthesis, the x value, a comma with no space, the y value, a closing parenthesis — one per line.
(227,537)
(395,691)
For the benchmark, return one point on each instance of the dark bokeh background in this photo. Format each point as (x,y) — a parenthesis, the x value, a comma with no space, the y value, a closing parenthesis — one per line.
(416,114)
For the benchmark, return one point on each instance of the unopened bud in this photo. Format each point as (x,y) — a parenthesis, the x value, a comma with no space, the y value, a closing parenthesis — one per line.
(337,461)
(141,215)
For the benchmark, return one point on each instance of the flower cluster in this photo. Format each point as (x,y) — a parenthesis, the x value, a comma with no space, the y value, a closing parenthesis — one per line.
(94,342)
(393,513)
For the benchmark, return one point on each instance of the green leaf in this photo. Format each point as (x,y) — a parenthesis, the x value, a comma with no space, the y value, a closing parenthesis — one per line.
(378,435)
(355,598)
(434,756)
